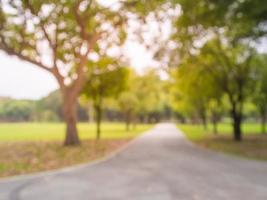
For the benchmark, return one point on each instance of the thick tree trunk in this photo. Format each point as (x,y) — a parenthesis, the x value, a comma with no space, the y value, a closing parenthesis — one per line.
(237,130)
(70,116)
(237,120)
(236,115)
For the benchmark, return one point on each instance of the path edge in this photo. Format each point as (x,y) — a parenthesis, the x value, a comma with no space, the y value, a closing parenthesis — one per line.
(219,153)
(41,174)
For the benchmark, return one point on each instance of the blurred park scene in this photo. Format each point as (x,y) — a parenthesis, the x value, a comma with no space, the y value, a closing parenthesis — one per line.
(79,79)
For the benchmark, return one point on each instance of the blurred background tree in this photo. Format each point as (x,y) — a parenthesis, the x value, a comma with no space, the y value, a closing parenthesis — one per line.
(107,79)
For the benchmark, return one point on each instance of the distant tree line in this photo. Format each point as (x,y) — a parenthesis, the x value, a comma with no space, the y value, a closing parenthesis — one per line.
(130,98)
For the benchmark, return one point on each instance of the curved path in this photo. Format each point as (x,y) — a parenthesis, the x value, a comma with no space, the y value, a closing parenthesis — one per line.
(160,164)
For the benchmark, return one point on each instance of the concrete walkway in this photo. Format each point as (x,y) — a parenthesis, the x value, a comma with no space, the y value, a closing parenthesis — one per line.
(161,164)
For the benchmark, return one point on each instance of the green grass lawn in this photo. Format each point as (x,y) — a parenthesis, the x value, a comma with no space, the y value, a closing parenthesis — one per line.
(55,131)
(197,131)
(34,147)
(254,144)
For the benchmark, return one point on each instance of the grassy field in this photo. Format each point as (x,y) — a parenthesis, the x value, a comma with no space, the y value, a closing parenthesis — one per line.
(55,131)
(254,144)
(33,147)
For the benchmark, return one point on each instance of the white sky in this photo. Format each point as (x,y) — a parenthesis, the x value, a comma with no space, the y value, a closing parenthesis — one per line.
(22,80)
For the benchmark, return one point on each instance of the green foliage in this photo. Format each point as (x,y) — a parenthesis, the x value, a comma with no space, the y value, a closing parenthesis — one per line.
(194,90)
(47,109)
(230,67)
(146,98)
(50,107)
(147,89)
(48,116)
(106,79)
(143,8)
(128,102)
(16,110)
(240,19)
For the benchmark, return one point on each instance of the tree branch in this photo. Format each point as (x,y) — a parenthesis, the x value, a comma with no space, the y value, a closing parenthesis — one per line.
(12,52)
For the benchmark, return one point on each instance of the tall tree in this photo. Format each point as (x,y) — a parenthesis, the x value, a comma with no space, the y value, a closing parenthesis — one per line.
(232,71)
(213,30)
(194,89)
(58,37)
(107,79)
